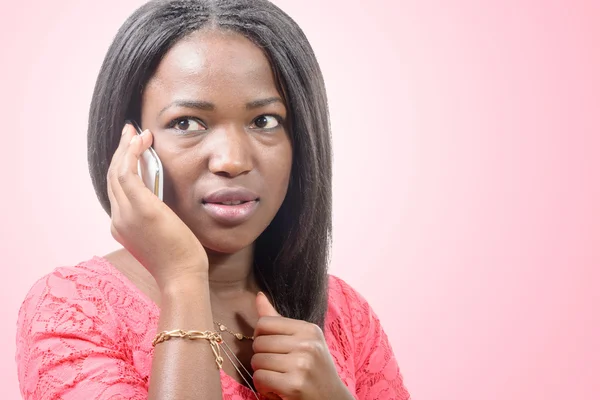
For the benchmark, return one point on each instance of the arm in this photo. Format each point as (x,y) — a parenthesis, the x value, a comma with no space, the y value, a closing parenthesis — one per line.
(71,346)
(181,369)
(69,343)
(185,369)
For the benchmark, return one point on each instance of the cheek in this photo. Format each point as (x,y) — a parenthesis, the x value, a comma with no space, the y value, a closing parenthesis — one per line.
(180,171)
(279,173)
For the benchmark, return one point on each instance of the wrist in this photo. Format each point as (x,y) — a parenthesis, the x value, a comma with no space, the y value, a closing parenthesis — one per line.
(184,285)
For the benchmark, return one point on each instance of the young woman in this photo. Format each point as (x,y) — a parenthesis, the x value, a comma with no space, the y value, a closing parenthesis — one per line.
(222,290)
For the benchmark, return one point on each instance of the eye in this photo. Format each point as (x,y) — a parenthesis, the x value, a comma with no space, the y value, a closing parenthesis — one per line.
(187,124)
(267,122)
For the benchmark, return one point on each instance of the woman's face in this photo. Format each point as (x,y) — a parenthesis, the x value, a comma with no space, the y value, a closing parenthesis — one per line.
(219,126)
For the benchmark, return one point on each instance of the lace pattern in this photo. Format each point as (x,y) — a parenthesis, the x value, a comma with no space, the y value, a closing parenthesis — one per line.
(86,332)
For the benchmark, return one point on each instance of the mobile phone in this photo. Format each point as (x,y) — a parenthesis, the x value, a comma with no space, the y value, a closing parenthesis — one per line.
(149,167)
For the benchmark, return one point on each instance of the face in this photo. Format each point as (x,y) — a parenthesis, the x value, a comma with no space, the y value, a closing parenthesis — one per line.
(219,126)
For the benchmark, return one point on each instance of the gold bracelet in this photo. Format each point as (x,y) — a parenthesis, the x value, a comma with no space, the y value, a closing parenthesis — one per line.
(213,338)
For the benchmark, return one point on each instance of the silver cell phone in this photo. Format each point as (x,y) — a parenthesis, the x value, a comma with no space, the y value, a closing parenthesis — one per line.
(149,167)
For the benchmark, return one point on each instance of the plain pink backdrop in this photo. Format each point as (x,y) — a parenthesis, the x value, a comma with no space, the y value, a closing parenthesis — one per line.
(467,177)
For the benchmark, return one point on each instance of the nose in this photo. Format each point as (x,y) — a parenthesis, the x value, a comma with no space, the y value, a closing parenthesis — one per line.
(229,152)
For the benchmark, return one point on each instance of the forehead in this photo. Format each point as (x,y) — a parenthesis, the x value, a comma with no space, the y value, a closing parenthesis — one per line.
(214,63)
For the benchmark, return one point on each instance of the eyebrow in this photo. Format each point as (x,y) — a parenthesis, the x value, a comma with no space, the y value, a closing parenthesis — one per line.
(200,105)
(263,102)
(208,106)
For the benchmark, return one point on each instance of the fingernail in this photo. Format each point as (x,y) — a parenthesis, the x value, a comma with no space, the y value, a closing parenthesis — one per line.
(144,133)
(133,139)
(124,131)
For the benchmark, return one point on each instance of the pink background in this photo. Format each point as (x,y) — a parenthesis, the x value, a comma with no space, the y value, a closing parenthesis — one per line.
(467,177)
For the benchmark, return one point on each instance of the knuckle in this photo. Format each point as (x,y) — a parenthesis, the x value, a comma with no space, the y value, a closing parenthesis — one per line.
(304,363)
(260,324)
(114,232)
(122,178)
(254,361)
(311,347)
(115,223)
(315,330)
(119,225)
(147,214)
(297,384)
(257,344)
(259,377)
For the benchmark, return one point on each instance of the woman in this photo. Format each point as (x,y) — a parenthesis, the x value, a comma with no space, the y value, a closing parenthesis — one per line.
(220,291)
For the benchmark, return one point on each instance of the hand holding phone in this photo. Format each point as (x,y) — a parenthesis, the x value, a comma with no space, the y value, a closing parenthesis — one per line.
(146,226)
(149,167)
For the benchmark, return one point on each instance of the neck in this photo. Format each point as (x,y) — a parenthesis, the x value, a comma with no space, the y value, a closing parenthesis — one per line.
(231,274)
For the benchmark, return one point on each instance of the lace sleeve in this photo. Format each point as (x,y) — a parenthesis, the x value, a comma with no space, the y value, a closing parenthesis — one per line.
(378,376)
(68,344)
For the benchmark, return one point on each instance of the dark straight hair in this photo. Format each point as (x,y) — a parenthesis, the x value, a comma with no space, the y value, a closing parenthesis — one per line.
(292,254)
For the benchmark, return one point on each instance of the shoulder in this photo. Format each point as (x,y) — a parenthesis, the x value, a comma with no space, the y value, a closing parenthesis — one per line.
(361,343)
(87,280)
(350,319)
(89,297)
(347,302)
(354,316)
(340,289)
(73,325)
(63,293)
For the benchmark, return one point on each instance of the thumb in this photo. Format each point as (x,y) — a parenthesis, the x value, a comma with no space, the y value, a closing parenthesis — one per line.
(264,306)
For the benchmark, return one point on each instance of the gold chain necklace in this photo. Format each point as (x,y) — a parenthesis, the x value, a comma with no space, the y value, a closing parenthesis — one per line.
(237,364)
(237,335)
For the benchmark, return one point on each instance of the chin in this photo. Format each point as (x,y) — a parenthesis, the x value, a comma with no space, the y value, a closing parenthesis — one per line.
(225,241)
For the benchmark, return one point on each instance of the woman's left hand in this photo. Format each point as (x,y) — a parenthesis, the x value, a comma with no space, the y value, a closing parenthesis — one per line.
(291,358)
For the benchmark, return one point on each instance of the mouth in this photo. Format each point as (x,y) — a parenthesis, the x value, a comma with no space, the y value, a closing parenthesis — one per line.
(231,206)
(228,203)
(230,196)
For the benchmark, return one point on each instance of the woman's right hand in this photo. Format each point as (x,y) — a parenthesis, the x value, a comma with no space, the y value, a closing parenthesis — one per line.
(144,225)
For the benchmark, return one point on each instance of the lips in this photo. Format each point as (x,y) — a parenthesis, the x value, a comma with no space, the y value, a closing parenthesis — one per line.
(230,196)
(231,206)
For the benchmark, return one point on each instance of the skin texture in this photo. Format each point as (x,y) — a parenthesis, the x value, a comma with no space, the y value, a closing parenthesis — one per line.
(197,269)
(229,150)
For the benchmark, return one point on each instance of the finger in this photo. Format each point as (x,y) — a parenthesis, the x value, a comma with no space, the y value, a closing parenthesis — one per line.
(119,203)
(272,362)
(115,192)
(130,181)
(114,187)
(278,326)
(126,134)
(264,306)
(268,383)
(281,344)
(114,202)
(115,210)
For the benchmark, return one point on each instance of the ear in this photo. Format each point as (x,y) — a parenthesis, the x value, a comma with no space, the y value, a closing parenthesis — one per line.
(264,306)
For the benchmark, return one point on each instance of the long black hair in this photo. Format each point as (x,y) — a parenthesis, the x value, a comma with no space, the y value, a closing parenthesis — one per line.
(292,254)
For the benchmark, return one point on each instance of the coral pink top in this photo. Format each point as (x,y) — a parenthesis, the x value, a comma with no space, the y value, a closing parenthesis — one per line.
(85,332)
